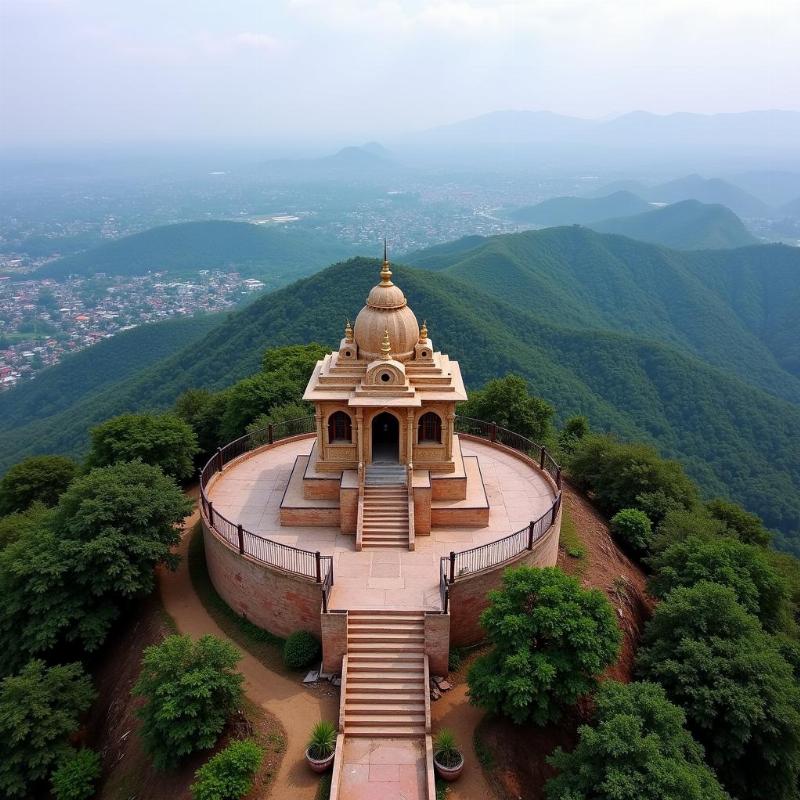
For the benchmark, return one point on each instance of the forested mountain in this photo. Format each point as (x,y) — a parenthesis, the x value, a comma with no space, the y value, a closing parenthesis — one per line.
(273,254)
(687,225)
(580,210)
(734,437)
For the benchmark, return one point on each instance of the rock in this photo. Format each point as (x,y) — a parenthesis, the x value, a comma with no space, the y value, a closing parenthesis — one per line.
(445,686)
(337,681)
(435,693)
(325,676)
(312,677)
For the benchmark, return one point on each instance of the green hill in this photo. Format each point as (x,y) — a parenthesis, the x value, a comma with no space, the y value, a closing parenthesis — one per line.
(734,437)
(274,254)
(688,225)
(580,210)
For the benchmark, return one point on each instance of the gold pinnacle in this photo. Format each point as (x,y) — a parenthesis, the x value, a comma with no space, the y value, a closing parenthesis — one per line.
(423,332)
(386,347)
(348,332)
(386,273)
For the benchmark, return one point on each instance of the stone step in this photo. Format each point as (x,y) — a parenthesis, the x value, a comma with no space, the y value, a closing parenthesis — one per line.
(380,673)
(396,637)
(370,662)
(378,697)
(383,720)
(386,545)
(358,686)
(367,647)
(358,613)
(379,626)
(406,732)
(410,660)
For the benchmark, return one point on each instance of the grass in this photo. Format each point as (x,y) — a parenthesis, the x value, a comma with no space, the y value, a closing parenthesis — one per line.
(483,753)
(442,789)
(569,540)
(324,787)
(265,646)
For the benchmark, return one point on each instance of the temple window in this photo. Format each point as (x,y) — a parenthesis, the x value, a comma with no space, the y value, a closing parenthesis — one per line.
(340,428)
(430,428)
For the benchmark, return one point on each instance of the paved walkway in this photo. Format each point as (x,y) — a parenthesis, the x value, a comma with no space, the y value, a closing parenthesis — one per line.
(383,769)
(251,493)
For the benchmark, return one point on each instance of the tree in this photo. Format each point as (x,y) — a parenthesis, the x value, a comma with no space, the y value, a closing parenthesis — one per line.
(633,528)
(742,567)
(575,428)
(745,526)
(64,580)
(203,410)
(36,479)
(77,775)
(739,695)
(507,402)
(39,708)
(638,749)
(551,639)
(621,475)
(286,419)
(190,689)
(229,774)
(15,525)
(161,440)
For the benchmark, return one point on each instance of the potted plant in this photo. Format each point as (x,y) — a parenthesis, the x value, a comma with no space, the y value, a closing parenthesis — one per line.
(448,760)
(321,746)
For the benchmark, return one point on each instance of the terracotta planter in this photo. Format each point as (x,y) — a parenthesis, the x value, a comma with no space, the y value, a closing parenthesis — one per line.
(320,765)
(448,773)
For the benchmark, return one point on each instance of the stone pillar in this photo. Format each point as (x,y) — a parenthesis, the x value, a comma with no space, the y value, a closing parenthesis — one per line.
(447,433)
(410,436)
(320,434)
(360,435)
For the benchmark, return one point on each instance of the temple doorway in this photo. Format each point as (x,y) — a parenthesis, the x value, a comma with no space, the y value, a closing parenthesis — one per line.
(385,438)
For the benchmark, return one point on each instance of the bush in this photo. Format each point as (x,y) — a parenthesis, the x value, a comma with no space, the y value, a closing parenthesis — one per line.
(323,740)
(633,529)
(191,689)
(551,639)
(39,479)
(229,774)
(739,694)
(638,748)
(300,650)
(76,777)
(39,709)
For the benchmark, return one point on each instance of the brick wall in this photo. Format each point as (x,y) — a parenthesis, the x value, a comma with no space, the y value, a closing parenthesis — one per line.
(468,594)
(334,640)
(437,642)
(270,598)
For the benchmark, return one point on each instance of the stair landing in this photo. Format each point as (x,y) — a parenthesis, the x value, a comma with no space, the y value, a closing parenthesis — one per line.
(383,769)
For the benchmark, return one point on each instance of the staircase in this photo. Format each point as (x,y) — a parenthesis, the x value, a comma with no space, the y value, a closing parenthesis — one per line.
(384,522)
(385,675)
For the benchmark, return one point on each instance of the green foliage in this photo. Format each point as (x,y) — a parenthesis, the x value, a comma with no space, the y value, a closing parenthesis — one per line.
(39,709)
(229,774)
(445,749)
(680,524)
(455,658)
(746,527)
(76,776)
(162,440)
(638,749)
(633,529)
(507,402)
(551,639)
(322,741)
(35,479)
(575,429)
(65,577)
(190,689)
(202,410)
(739,694)
(619,474)
(300,649)
(742,567)
(13,526)
(286,419)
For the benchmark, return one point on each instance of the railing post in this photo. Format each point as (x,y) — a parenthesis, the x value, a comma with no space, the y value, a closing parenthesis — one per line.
(530,535)
(219,459)
(270,434)
(319,566)
(452,566)
(492,431)
(324,601)
(542,454)
(558,477)
(211,513)
(240,531)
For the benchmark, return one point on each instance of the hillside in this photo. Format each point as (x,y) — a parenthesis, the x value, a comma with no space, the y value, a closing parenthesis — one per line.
(735,438)
(687,225)
(580,210)
(274,254)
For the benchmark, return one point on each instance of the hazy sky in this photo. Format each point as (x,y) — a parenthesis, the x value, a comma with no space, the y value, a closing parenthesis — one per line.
(114,70)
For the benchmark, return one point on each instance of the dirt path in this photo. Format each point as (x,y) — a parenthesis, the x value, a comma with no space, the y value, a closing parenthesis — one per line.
(296,708)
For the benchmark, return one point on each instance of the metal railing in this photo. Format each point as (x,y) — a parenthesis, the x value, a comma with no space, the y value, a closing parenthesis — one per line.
(444,592)
(491,554)
(309,563)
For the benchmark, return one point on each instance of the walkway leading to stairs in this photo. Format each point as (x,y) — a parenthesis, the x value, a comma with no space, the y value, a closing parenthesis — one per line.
(385,516)
(385,708)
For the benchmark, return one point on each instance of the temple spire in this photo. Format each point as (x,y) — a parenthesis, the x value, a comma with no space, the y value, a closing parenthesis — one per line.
(386,347)
(386,273)
(348,332)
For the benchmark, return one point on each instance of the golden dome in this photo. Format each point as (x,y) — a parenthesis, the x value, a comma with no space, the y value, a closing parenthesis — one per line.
(386,311)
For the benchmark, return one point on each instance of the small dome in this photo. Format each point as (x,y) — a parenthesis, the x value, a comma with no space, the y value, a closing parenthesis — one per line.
(386,310)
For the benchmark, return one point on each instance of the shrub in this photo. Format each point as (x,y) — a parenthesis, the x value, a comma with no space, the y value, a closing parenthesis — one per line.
(36,479)
(229,774)
(551,639)
(575,428)
(633,529)
(39,709)
(76,776)
(190,689)
(745,526)
(739,694)
(301,649)
(638,748)
(323,740)
(454,659)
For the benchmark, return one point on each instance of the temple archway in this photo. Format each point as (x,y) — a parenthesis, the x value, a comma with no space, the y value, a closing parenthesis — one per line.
(385,438)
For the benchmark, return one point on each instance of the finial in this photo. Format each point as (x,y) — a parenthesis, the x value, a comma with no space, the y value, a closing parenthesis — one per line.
(386,347)
(386,273)
(423,332)
(348,332)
